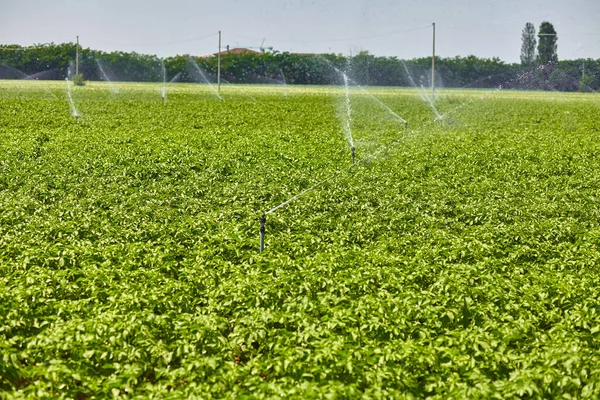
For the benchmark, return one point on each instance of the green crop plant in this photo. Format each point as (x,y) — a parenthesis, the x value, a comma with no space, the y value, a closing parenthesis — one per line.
(462,261)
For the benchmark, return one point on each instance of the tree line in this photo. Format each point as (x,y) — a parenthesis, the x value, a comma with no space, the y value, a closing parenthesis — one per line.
(53,61)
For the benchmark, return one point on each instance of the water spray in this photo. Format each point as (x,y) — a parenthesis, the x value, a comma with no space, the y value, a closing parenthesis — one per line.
(164,81)
(348,116)
(113,88)
(205,79)
(263,220)
(347,80)
(371,156)
(71,102)
(422,92)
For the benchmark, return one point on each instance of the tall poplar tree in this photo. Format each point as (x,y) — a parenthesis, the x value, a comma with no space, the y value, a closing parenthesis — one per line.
(547,39)
(528,46)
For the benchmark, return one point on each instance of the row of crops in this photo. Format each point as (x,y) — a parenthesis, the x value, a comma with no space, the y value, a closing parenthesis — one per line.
(457,259)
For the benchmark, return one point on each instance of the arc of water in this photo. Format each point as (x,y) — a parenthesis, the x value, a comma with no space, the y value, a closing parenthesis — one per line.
(348,124)
(205,79)
(113,88)
(285,86)
(37,75)
(74,112)
(348,119)
(424,97)
(31,77)
(164,79)
(345,76)
(381,103)
(22,75)
(175,77)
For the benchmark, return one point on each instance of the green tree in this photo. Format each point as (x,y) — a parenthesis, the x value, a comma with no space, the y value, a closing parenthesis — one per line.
(528,45)
(547,38)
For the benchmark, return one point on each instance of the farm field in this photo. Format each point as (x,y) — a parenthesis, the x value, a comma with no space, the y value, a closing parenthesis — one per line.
(457,259)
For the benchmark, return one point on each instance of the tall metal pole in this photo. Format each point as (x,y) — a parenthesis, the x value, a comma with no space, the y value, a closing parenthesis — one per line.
(433,65)
(77,57)
(219,66)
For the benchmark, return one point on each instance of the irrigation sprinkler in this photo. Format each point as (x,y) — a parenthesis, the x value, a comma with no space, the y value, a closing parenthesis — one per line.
(369,157)
(263,220)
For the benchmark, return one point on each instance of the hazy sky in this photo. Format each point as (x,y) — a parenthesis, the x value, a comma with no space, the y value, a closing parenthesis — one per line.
(485,28)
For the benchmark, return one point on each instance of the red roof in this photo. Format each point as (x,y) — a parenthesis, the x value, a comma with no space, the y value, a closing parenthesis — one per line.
(238,50)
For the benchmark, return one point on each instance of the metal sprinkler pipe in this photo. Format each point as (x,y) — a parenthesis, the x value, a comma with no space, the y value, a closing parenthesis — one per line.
(263,220)
(405,126)
(353,153)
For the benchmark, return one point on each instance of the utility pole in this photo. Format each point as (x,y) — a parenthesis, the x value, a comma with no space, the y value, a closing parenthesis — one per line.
(77,57)
(583,71)
(219,66)
(433,65)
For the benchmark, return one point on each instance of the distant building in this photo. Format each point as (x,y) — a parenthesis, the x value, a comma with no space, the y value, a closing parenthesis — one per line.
(237,50)
(245,50)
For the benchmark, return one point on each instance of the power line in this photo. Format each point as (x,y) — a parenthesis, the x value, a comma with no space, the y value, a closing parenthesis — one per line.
(173,42)
(371,36)
(142,44)
(342,39)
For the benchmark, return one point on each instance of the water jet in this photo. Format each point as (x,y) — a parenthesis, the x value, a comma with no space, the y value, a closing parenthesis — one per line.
(423,94)
(113,88)
(71,102)
(202,76)
(164,79)
(348,114)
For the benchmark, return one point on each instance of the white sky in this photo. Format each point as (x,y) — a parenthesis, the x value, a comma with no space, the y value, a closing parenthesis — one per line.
(484,28)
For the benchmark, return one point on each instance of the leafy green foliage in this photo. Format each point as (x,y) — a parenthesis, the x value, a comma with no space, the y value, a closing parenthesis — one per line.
(461,262)
(528,44)
(586,83)
(51,61)
(547,43)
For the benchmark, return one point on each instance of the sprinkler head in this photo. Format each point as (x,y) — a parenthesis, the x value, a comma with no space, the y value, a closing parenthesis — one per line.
(262,220)
(353,153)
